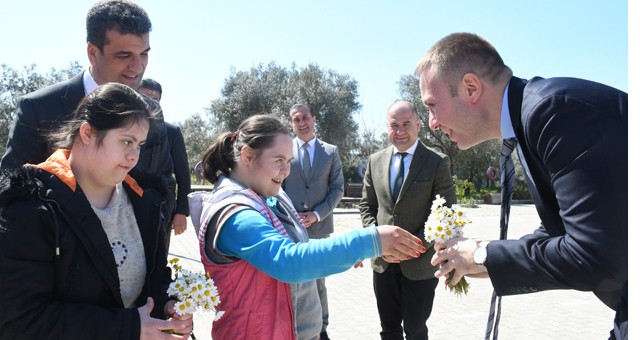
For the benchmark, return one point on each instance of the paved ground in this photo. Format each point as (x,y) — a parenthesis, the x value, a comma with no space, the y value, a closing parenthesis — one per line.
(353,314)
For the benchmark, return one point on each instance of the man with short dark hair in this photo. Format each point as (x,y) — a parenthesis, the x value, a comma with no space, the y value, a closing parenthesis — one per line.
(118,51)
(117,48)
(315,186)
(151,88)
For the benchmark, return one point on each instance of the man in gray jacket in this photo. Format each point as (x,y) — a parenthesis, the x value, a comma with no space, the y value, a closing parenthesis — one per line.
(315,185)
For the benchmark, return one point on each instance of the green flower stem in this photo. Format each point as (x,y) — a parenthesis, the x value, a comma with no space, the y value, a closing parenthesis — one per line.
(461,287)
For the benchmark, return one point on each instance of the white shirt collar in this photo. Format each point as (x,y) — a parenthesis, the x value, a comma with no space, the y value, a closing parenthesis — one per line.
(88,82)
(410,150)
(506,128)
(312,142)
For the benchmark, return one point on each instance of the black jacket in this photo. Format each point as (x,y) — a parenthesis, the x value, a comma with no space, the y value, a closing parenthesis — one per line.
(180,167)
(44,110)
(58,275)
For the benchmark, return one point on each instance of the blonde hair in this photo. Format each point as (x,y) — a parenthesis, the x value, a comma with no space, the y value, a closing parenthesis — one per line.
(460,53)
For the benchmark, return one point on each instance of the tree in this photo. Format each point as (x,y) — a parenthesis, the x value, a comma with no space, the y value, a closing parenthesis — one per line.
(16,83)
(333,98)
(273,89)
(366,144)
(260,90)
(197,138)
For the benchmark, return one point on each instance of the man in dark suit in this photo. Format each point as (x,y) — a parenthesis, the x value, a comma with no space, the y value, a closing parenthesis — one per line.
(572,139)
(118,50)
(181,169)
(399,187)
(315,195)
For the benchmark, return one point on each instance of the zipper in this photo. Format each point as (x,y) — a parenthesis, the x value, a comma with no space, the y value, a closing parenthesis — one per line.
(56,230)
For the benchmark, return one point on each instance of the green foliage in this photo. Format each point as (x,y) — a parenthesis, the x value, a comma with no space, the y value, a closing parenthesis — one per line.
(273,89)
(465,191)
(464,187)
(521,192)
(16,83)
(197,138)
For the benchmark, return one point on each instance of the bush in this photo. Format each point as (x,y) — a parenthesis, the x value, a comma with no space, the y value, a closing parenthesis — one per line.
(466,192)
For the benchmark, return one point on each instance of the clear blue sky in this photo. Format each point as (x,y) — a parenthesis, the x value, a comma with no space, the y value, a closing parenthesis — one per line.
(194,44)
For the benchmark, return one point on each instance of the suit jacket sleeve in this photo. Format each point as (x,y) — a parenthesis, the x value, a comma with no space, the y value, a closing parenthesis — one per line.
(336,188)
(25,143)
(38,113)
(155,157)
(181,171)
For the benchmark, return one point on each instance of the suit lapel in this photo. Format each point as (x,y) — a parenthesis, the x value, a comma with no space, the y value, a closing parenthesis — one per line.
(418,161)
(295,162)
(318,157)
(386,168)
(516,101)
(516,89)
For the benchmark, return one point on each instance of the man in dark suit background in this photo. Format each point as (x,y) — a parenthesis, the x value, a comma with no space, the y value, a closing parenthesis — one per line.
(118,51)
(404,289)
(181,169)
(315,196)
(572,139)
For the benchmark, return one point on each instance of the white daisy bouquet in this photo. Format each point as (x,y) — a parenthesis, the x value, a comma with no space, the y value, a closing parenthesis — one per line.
(444,224)
(194,291)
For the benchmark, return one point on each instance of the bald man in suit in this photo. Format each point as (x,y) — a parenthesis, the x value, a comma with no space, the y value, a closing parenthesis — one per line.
(399,187)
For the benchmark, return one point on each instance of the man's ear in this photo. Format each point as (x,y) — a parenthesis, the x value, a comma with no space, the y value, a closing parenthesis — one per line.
(86,133)
(471,87)
(92,53)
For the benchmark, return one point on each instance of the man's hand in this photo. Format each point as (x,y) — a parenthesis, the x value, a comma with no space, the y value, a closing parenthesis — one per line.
(152,328)
(308,218)
(179,223)
(457,253)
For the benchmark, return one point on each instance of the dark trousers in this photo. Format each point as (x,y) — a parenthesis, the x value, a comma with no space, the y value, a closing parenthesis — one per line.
(403,301)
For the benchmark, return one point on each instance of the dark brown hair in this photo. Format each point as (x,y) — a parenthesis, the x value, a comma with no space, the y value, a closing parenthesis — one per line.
(109,106)
(121,15)
(257,132)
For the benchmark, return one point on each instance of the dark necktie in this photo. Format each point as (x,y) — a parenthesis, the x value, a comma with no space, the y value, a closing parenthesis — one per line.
(507,177)
(397,183)
(306,162)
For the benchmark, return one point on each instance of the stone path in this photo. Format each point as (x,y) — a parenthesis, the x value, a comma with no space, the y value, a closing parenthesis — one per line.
(353,314)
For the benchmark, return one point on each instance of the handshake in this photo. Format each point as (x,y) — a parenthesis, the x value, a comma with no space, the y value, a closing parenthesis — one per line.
(397,245)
